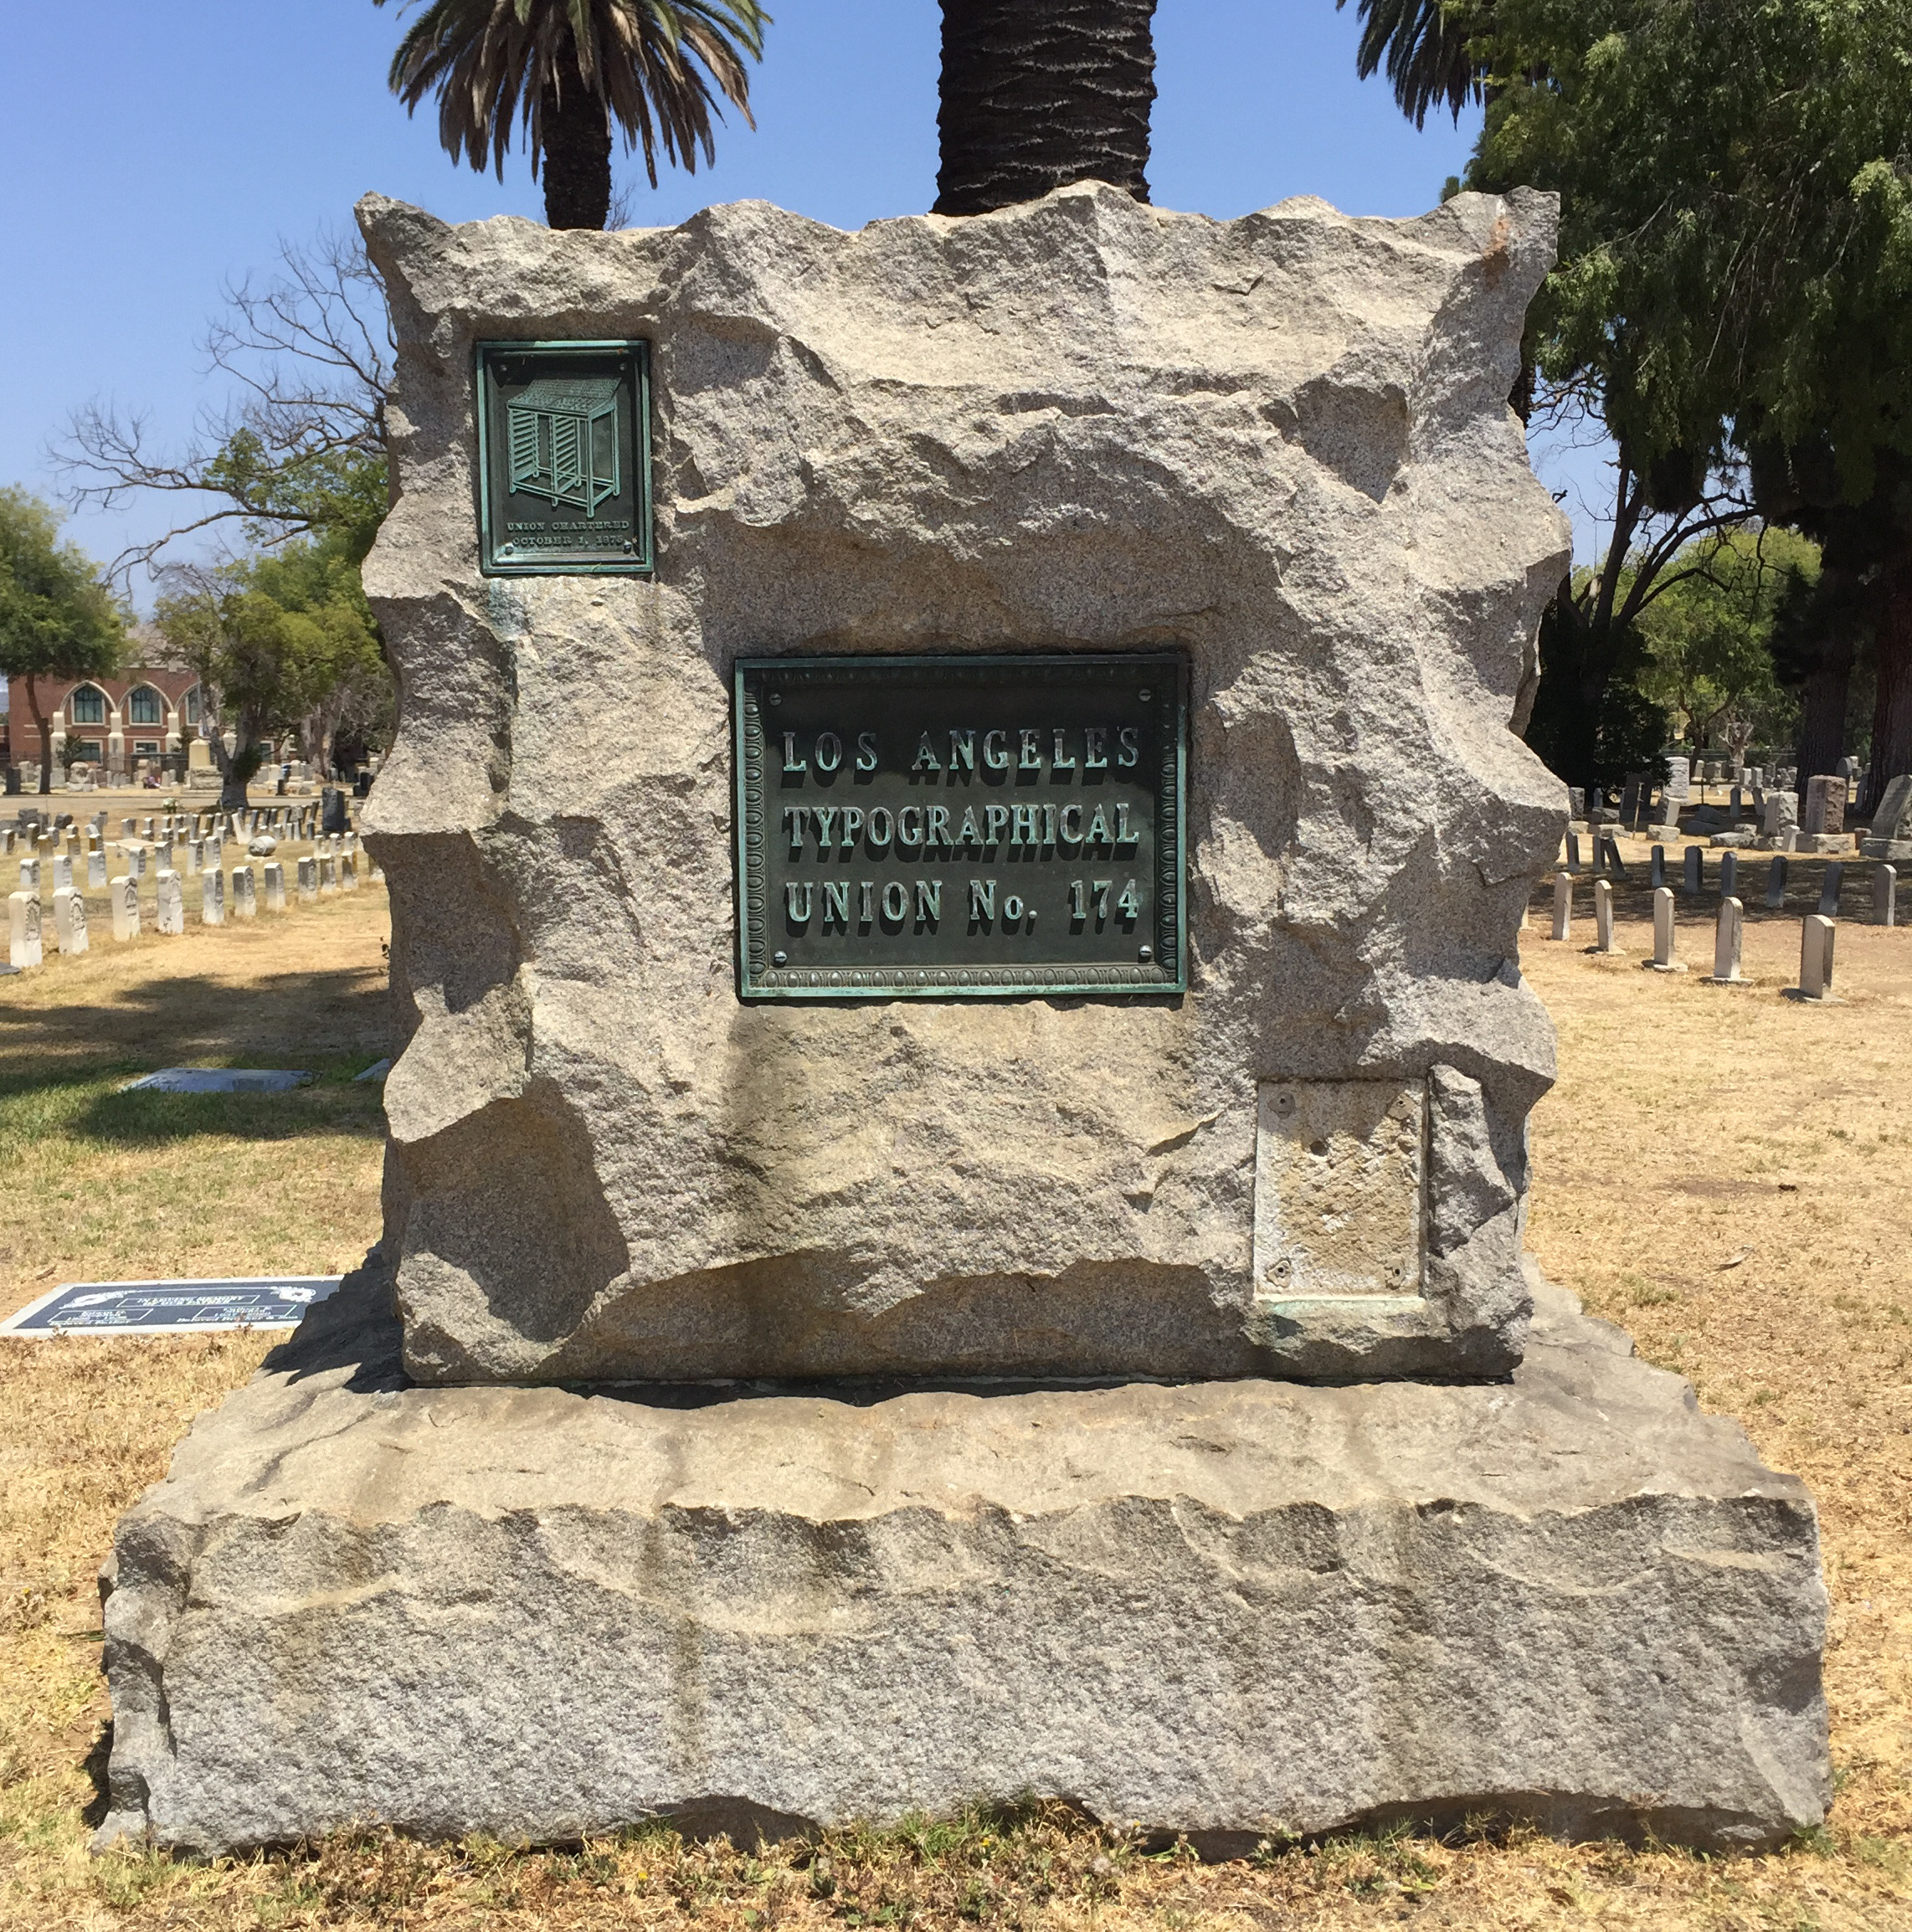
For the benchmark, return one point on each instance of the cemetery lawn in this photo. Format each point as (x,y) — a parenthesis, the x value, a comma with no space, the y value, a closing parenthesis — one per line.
(1722,1171)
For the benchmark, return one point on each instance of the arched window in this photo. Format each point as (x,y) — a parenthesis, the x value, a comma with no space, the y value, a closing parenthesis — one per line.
(87,705)
(191,705)
(145,706)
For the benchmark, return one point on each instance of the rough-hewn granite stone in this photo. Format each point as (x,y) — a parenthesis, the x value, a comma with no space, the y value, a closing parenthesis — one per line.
(1222,1607)
(1280,444)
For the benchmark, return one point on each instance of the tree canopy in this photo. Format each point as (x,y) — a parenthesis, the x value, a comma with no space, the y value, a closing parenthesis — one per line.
(280,643)
(1732,300)
(58,620)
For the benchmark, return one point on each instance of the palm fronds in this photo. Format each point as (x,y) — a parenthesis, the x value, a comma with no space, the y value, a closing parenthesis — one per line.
(659,66)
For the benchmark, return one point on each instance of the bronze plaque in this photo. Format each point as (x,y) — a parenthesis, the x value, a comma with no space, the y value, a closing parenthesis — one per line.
(949,827)
(563,459)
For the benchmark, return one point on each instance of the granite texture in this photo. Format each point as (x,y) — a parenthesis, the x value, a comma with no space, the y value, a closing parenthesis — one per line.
(1280,445)
(1223,1608)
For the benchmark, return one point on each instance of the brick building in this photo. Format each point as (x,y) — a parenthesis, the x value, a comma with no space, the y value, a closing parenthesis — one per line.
(146,715)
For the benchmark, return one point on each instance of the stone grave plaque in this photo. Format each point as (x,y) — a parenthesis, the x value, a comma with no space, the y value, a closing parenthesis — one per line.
(564,458)
(949,827)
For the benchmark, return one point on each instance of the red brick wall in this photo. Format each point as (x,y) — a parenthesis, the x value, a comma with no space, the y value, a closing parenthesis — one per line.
(55,694)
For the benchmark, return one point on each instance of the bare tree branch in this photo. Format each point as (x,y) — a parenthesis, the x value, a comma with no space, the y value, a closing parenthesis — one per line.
(309,356)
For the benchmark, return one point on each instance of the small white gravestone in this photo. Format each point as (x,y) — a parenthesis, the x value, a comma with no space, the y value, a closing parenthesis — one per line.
(1815,935)
(69,919)
(1563,905)
(63,875)
(328,875)
(30,876)
(125,894)
(273,879)
(1885,895)
(308,881)
(245,900)
(1603,917)
(195,855)
(1665,958)
(348,874)
(1728,941)
(95,868)
(172,902)
(23,924)
(213,897)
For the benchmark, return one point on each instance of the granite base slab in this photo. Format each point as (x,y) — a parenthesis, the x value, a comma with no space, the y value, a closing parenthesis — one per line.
(1229,1609)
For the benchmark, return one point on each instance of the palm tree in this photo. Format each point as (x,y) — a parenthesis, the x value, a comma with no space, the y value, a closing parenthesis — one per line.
(1036,94)
(1426,47)
(565,68)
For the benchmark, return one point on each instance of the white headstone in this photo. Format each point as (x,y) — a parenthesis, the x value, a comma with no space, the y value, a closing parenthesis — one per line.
(1563,905)
(125,893)
(30,876)
(69,919)
(328,875)
(1816,934)
(308,880)
(1885,895)
(213,897)
(1603,916)
(245,901)
(273,879)
(348,873)
(1665,958)
(1727,940)
(95,868)
(63,875)
(24,921)
(172,902)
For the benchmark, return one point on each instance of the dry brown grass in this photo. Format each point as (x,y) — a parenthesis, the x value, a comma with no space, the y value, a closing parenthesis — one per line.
(1722,1170)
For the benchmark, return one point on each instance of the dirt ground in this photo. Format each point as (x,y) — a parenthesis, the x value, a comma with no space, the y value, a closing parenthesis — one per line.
(1722,1169)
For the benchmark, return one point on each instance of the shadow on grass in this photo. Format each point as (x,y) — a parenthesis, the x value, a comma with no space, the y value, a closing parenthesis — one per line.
(87,1103)
(283,1018)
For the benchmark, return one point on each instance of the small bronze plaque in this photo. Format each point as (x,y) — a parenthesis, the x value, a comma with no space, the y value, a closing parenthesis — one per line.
(564,458)
(950,828)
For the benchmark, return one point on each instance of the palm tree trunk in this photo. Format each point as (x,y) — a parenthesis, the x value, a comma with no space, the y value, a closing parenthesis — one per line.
(576,128)
(1036,94)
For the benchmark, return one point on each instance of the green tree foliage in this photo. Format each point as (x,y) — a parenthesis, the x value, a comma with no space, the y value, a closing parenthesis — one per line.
(58,620)
(1734,297)
(1708,636)
(1736,260)
(278,643)
(565,70)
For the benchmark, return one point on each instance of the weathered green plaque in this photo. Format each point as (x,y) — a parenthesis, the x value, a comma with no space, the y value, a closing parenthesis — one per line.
(949,827)
(564,458)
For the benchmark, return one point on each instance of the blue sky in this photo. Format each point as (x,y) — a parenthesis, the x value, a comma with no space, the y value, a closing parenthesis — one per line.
(152,153)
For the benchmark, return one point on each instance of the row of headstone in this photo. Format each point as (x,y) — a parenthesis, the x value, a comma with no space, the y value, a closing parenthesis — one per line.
(1884,893)
(320,876)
